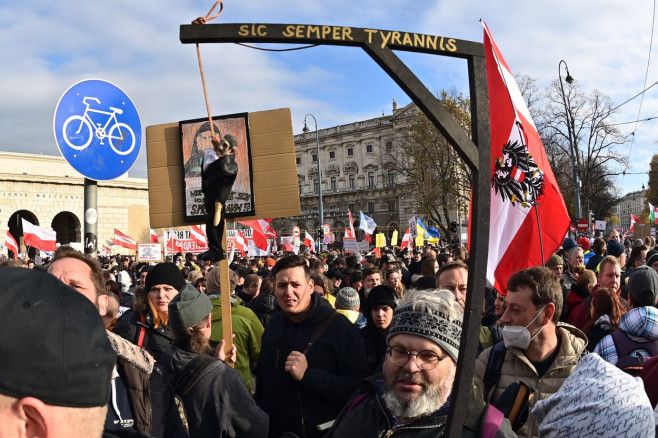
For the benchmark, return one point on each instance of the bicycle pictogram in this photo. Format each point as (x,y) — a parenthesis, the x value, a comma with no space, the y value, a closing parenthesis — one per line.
(79,135)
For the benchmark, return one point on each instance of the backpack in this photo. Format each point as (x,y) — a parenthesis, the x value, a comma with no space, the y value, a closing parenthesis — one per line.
(628,362)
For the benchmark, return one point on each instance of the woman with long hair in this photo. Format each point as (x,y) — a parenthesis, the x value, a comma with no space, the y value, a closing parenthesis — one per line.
(323,287)
(215,399)
(606,311)
(394,280)
(147,325)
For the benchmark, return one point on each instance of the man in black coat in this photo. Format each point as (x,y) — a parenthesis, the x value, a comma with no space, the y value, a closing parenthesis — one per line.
(312,358)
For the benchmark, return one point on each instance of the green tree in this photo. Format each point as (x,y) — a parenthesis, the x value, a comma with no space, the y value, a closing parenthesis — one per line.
(652,186)
(437,180)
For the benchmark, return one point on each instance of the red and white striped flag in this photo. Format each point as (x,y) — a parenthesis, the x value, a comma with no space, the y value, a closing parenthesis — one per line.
(198,235)
(524,189)
(124,240)
(240,243)
(39,237)
(261,231)
(173,244)
(634,220)
(351,234)
(406,239)
(308,241)
(154,236)
(107,250)
(11,244)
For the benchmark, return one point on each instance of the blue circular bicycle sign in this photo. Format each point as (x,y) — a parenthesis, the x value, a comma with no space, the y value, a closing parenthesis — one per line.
(97,129)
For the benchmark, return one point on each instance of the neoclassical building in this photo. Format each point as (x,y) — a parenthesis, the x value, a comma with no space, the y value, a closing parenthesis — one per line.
(355,176)
(47,191)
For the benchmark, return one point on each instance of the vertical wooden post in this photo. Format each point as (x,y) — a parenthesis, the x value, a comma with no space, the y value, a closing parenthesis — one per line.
(227,322)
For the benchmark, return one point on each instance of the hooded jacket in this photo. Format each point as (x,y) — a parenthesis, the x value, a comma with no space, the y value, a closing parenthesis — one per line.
(248,332)
(366,415)
(265,307)
(216,403)
(336,365)
(151,396)
(640,325)
(517,367)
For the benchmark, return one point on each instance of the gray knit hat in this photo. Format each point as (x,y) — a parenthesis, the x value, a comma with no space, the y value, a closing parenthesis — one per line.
(435,327)
(188,307)
(348,298)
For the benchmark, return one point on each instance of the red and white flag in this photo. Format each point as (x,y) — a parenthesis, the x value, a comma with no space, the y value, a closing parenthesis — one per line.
(240,243)
(39,237)
(107,250)
(11,244)
(154,236)
(198,235)
(308,241)
(634,220)
(406,239)
(524,189)
(124,240)
(352,234)
(261,231)
(173,244)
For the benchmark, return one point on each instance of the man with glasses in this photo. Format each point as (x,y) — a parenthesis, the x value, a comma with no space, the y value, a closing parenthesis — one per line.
(412,397)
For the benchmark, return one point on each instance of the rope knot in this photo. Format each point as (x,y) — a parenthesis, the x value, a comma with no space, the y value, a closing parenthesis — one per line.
(208,17)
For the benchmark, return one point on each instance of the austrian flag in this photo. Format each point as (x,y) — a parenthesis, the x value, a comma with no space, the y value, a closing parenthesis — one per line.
(198,235)
(524,192)
(39,237)
(11,244)
(124,240)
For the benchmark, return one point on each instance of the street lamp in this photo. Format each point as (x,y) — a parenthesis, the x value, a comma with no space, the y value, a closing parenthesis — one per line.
(576,182)
(317,144)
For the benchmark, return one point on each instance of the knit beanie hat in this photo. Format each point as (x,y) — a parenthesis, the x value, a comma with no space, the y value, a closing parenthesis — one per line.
(643,286)
(348,298)
(438,328)
(213,284)
(188,307)
(553,261)
(652,256)
(382,294)
(165,273)
(615,248)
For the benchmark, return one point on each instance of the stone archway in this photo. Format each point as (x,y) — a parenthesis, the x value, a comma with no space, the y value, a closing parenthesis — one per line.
(67,227)
(15,226)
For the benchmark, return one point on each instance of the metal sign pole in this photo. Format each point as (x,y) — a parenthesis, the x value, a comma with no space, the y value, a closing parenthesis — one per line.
(91,218)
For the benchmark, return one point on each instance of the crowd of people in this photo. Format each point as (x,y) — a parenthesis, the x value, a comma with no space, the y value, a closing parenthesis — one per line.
(335,345)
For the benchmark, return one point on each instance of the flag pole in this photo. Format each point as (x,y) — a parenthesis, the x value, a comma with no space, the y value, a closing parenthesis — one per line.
(225,297)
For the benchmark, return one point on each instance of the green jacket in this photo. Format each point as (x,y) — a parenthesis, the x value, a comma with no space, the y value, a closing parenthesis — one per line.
(248,333)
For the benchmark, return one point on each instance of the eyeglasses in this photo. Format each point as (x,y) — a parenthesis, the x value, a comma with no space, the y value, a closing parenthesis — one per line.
(426,359)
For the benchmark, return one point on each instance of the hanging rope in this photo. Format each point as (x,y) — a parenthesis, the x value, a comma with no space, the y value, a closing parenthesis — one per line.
(204,20)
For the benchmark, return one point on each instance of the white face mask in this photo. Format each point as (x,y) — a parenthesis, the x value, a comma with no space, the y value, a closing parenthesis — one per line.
(519,336)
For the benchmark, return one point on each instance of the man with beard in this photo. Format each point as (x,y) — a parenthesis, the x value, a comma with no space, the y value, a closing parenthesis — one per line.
(412,397)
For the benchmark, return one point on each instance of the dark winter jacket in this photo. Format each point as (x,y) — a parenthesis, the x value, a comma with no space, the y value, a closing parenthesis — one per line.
(265,307)
(151,395)
(216,400)
(366,415)
(156,341)
(374,340)
(336,365)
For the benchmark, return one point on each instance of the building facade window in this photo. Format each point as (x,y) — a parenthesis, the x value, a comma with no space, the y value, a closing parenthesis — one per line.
(391,177)
(371,179)
(371,207)
(391,206)
(316,185)
(332,154)
(389,145)
(298,160)
(351,207)
(350,151)
(369,148)
(333,183)
(300,188)
(314,157)
(352,180)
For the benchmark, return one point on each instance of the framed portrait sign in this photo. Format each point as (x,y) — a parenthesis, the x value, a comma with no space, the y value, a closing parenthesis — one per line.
(195,138)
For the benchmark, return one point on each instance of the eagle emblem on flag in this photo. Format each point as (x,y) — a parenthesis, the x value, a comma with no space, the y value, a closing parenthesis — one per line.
(517,178)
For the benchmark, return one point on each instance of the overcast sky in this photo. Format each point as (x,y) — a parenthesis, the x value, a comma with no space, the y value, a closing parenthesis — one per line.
(45,47)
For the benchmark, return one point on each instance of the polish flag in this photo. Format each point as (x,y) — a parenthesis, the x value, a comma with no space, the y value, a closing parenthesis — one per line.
(198,235)
(124,240)
(240,243)
(261,231)
(11,244)
(352,233)
(634,220)
(406,239)
(39,237)
(154,236)
(308,241)
(524,192)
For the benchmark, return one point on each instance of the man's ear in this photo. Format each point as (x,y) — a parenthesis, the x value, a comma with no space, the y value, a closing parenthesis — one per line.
(36,416)
(549,312)
(103,301)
